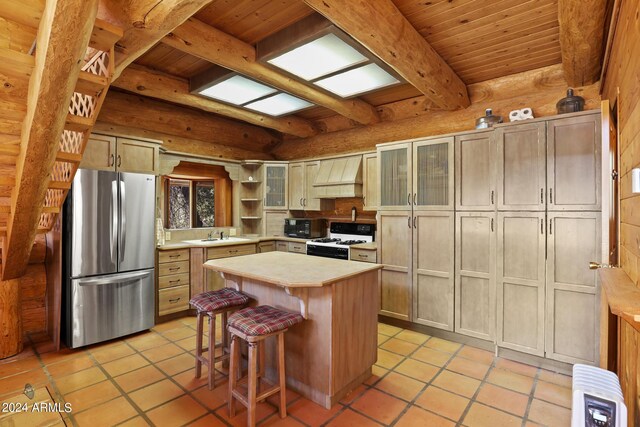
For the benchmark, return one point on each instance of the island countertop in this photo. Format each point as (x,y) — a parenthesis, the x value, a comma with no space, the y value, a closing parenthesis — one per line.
(291,270)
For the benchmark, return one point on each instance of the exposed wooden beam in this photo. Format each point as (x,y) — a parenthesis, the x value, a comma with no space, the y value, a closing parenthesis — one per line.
(381,28)
(145,22)
(145,113)
(63,37)
(581,39)
(203,41)
(158,85)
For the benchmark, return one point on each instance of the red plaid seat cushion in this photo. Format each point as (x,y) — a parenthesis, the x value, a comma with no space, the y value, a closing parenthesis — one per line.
(262,320)
(217,300)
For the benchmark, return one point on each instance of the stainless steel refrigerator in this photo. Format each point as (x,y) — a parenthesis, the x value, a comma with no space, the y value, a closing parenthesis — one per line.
(108,246)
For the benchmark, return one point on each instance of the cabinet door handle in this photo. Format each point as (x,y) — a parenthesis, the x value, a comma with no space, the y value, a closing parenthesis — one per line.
(414,198)
(364,201)
(491,196)
(304,201)
(414,222)
(551,195)
(233,251)
(301,202)
(174,256)
(112,160)
(409,222)
(363,256)
(551,226)
(541,195)
(541,226)
(174,269)
(119,160)
(175,300)
(409,199)
(492,225)
(174,281)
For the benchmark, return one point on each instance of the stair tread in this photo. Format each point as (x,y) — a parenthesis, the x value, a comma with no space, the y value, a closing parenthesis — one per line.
(104,35)
(78,123)
(90,84)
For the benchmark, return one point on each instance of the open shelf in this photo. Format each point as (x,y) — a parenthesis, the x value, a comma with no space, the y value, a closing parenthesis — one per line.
(249,200)
(250,182)
(250,218)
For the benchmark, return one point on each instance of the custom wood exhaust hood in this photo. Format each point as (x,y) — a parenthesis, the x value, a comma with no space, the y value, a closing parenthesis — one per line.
(340,177)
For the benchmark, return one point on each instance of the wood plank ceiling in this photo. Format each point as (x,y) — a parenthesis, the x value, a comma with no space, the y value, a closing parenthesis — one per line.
(480,40)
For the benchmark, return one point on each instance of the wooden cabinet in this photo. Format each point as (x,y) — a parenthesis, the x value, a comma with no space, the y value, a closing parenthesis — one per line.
(521,168)
(282,246)
(433,269)
(520,281)
(475,171)
(572,321)
(269,246)
(121,155)
(302,175)
(394,173)
(394,251)
(433,174)
(275,186)
(173,281)
(370,187)
(231,251)
(274,223)
(475,290)
(299,248)
(574,163)
(364,255)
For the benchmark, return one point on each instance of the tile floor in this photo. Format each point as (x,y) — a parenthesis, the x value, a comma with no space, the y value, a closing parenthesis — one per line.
(147,379)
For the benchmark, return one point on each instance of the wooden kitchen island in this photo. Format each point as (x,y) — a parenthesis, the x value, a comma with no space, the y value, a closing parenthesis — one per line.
(332,351)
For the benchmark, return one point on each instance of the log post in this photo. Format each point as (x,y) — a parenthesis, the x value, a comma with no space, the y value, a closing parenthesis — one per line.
(10,322)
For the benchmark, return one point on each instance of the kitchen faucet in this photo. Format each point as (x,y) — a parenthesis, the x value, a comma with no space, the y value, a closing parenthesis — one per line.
(222,235)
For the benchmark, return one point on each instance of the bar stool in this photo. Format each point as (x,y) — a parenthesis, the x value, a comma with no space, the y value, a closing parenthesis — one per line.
(210,304)
(254,325)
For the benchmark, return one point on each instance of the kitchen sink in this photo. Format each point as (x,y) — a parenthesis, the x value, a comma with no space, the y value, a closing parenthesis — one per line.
(216,241)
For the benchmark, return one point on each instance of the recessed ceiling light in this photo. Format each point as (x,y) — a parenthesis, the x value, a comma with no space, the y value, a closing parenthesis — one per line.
(237,90)
(322,56)
(356,81)
(278,105)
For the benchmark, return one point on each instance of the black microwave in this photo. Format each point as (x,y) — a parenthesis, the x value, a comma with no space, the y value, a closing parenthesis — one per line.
(305,228)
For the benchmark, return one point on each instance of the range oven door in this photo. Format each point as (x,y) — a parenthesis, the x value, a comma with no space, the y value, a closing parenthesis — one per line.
(327,251)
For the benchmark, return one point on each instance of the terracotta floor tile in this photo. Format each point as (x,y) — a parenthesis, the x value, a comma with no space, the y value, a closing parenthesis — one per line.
(162,352)
(443,403)
(353,394)
(457,383)
(554,394)
(468,367)
(181,333)
(139,378)
(92,396)
(379,406)
(176,413)
(212,399)
(104,355)
(555,378)
(388,330)
(481,356)
(418,370)
(147,341)
(263,411)
(376,373)
(510,380)
(155,394)
(412,337)
(108,414)
(388,360)
(443,345)
(482,416)
(290,398)
(10,418)
(351,418)
(382,338)
(187,343)
(124,365)
(70,366)
(208,421)
(311,413)
(188,380)
(59,356)
(15,383)
(398,346)
(17,366)
(548,414)
(501,398)
(276,421)
(416,417)
(135,422)
(400,386)
(517,367)
(434,357)
(79,380)
(190,321)
(177,364)
(167,326)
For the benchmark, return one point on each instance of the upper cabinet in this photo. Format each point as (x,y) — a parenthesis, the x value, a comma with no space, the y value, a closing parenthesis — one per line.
(433,174)
(275,186)
(302,195)
(120,154)
(574,163)
(521,167)
(370,195)
(394,166)
(475,171)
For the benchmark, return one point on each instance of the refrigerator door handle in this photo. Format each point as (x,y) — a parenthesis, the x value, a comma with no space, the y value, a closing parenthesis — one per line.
(120,278)
(114,222)
(123,220)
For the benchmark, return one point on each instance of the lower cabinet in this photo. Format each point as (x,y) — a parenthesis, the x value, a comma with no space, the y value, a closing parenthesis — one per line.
(475,290)
(296,247)
(433,269)
(395,231)
(282,246)
(268,246)
(173,281)
(520,281)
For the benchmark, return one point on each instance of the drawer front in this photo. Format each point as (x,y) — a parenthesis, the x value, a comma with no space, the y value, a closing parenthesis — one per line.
(172,256)
(169,268)
(299,248)
(363,255)
(266,247)
(282,246)
(229,251)
(173,280)
(172,300)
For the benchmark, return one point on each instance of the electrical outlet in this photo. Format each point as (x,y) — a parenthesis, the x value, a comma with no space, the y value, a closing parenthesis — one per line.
(167,235)
(232,232)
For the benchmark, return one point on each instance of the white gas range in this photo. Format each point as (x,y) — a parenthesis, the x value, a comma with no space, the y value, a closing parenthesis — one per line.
(341,236)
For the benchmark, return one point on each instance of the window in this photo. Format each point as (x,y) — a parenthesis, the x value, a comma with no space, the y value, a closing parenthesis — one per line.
(190,203)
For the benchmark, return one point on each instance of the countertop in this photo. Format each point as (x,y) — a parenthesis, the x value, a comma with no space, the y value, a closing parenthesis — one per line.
(249,240)
(291,270)
(371,246)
